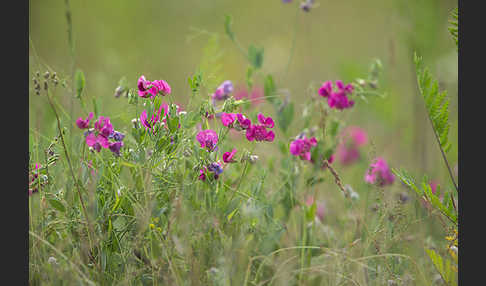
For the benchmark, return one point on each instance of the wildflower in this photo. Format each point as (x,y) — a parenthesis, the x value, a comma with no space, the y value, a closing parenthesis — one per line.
(117,136)
(216,168)
(301,147)
(115,147)
(228,156)
(202,175)
(243,122)
(149,124)
(145,87)
(259,132)
(347,151)
(208,139)
(99,136)
(83,124)
(223,91)
(228,118)
(379,173)
(337,99)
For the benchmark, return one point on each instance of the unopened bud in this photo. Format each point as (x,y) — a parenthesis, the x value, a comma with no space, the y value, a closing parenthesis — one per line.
(187,153)
(53,75)
(361,82)
(118,91)
(46,75)
(37,74)
(135,122)
(253,159)
(55,81)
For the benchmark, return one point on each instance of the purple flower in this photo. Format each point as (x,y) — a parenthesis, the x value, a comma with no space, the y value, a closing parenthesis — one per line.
(228,118)
(243,122)
(152,88)
(149,124)
(259,133)
(301,147)
(115,147)
(103,126)
(223,91)
(202,175)
(379,173)
(208,139)
(118,136)
(267,121)
(228,156)
(82,124)
(337,99)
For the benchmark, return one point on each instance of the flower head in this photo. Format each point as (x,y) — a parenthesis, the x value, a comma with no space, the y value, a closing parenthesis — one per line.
(379,173)
(208,139)
(223,91)
(337,99)
(152,88)
(243,122)
(83,124)
(228,118)
(228,156)
(259,133)
(301,147)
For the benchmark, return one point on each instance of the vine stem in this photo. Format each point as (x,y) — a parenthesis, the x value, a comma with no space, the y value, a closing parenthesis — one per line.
(90,229)
(443,156)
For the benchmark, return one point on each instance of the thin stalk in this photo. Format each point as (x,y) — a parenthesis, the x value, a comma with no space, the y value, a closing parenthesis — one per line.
(294,41)
(90,229)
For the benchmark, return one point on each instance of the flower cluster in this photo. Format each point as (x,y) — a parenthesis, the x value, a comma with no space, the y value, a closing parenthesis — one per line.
(379,173)
(156,117)
(259,132)
(34,178)
(152,88)
(101,134)
(301,147)
(216,168)
(337,99)
(347,151)
(228,156)
(223,91)
(208,139)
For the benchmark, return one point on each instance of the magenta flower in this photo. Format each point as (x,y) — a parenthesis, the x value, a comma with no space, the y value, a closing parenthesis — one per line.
(152,88)
(208,139)
(228,118)
(301,147)
(202,175)
(223,91)
(228,156)
(149,124)
(243,122)
(266,121)
(379,173)
(259,133)
(347,151)
(83,124)
(103,131)
(337,99)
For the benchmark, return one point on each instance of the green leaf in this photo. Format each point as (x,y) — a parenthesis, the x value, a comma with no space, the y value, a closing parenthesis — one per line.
(285,116)
(436,103)
(269,88)
(443,266)
(232,214)
(255,56)
(57,205)
(228,23)
(80,82)
(311,213)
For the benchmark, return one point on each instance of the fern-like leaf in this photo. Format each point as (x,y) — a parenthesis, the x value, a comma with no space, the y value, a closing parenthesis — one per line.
(436,103)
(453,29)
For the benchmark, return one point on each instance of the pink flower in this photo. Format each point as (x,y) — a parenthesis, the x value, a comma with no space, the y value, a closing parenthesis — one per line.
(337,99)
(243,122)
(149,124)
(352,138)
(379,173)
(101,134)
(259,133)
(146,88)
(266,121)
(228,156)
(228,118)
(208,139)
(83,124)
(202,175)
(223,91)
(301,147)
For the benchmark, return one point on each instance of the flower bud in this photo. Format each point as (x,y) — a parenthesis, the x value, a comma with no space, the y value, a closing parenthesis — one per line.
(46,75)
(118,91)
(253,159)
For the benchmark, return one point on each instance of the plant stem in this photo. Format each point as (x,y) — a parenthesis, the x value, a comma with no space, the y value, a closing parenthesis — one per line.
(294,40)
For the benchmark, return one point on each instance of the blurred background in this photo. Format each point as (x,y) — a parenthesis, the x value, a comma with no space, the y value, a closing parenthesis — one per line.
(334,40)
